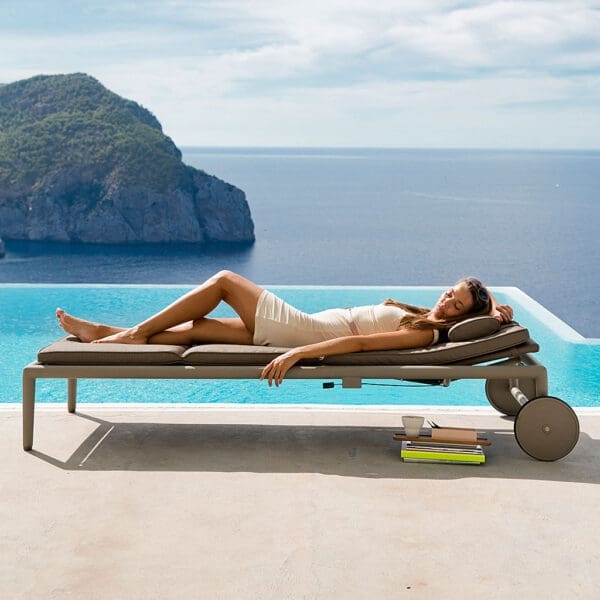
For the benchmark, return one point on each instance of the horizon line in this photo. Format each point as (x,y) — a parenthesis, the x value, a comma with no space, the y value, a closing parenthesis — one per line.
(404,148)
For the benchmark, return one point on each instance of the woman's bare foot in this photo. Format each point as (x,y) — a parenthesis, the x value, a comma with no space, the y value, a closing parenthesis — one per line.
(86,331)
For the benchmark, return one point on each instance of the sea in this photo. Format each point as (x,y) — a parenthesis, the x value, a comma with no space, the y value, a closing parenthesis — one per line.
(357,216)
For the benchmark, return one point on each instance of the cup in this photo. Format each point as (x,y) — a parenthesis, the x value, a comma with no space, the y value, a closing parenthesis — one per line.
(412,425)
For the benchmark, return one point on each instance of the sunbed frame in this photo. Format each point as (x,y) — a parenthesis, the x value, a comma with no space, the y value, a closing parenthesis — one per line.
(545,427)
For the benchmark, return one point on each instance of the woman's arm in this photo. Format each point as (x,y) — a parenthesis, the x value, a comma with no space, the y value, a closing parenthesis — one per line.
(275,371)
(502,312)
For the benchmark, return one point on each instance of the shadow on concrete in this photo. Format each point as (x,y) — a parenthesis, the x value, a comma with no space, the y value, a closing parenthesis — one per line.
(345,451)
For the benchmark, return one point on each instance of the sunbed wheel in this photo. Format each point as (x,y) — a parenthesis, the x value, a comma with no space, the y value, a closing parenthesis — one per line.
(499,396)
(546,428)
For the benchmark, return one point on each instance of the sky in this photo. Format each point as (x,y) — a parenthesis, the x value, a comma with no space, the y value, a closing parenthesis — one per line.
(330,73)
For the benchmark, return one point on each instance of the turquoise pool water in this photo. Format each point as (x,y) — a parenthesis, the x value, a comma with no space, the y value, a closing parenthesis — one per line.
(28,323)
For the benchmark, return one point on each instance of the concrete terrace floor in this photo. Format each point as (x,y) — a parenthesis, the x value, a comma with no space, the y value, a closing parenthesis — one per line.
(287,503)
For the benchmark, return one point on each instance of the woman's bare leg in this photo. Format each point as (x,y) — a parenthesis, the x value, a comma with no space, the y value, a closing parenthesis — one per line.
(225,331)
(205,330)
(237,291)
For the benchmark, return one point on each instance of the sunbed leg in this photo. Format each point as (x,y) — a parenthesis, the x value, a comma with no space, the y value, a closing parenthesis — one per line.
(541,375)
(72,395)
(28,410)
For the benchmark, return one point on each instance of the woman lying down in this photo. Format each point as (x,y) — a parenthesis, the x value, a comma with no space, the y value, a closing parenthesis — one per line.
(266,320)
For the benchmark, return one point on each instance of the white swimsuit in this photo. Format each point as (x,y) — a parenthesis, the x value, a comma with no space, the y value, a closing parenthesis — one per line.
(277,323)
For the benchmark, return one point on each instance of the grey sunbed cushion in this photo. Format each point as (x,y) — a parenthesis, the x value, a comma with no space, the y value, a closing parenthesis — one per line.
(231,354)
(439,354)
(71,351)
(451,352)
(470,329)
(512,352)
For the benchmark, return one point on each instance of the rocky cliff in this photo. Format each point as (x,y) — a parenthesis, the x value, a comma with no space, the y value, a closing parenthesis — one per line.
(79,163)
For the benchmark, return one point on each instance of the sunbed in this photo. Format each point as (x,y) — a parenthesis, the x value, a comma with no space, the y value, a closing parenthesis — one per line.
(545,427)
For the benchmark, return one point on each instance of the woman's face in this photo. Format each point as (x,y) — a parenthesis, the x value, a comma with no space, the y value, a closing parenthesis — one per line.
(454,302)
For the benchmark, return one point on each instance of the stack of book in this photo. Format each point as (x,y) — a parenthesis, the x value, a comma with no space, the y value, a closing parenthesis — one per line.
(452,445)
(430,452)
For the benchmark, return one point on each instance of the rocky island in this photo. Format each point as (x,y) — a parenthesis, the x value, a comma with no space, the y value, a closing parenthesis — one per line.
(79,163)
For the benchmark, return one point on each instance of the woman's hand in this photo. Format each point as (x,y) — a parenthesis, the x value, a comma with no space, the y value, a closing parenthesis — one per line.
(503,312)
(275,371)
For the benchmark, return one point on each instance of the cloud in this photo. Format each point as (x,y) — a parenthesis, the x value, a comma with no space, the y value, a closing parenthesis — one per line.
(264,71)
(495,34)
(498,111)
(269,40)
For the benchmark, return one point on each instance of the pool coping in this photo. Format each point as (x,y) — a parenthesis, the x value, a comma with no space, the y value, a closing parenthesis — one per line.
(280,407)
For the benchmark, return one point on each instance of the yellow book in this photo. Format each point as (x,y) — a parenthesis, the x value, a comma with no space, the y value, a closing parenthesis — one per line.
(409,452)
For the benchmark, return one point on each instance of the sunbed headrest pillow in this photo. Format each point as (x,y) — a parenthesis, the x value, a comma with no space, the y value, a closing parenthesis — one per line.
(473,328)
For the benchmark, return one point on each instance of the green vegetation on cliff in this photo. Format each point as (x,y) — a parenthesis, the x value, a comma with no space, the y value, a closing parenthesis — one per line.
(79,163)
(52,123)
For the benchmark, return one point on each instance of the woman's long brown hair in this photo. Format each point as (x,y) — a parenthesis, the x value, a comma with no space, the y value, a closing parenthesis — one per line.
(482,305)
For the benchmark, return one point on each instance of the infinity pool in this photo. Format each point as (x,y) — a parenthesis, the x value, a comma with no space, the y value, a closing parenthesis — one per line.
(27,322)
